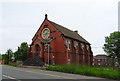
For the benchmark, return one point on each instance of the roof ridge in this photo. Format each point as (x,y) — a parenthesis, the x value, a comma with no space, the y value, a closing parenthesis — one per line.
(68,33)
(61,26)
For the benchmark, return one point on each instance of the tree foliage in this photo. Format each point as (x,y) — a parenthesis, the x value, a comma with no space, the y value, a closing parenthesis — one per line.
(22,51)
(0,57)
(8,56)
(19,55)
(112,45)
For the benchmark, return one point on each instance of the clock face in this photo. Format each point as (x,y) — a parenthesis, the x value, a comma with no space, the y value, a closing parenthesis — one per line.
(45,33)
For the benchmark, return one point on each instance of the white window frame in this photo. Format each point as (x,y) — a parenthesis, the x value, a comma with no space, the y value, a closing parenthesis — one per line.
(88,47)
(75,44)
(82,45)
(67,43)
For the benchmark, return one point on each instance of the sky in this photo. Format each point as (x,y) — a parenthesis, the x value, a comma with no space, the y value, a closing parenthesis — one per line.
(20,19)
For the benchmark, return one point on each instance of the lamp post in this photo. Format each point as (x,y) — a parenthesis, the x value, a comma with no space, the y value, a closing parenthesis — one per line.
(48,52)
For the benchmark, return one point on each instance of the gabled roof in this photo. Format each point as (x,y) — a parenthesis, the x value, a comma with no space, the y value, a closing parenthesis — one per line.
(69,33)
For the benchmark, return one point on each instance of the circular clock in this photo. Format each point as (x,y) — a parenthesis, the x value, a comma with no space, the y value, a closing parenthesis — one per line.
(45,33)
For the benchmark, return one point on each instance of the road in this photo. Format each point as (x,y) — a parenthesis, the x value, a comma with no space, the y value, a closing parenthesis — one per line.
(20,74)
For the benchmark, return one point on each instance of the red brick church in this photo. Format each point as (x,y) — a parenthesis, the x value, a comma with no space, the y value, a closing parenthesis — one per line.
(56,44)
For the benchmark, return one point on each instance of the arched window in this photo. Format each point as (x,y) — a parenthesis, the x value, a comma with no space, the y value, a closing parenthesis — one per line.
(37,49)
(88,47)
(67,43)
(75,44)
(82,46)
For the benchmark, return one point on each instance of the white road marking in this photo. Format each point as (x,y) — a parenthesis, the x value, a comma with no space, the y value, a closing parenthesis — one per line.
(10,77)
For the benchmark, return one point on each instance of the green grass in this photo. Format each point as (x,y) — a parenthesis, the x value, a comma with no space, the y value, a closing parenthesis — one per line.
(87,70)
(15,65)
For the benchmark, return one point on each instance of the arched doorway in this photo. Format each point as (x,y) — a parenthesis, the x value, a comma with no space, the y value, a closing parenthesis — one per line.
(37,50)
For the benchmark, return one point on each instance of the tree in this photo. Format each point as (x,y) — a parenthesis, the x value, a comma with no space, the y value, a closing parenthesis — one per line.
(21,52)
(112,46)
(0,57)
(10,55)
(6,58)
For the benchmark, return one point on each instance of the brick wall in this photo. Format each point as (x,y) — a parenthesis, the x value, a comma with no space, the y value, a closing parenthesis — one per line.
(59,53)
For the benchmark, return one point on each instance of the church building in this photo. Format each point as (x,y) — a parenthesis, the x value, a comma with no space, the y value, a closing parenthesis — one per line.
(56,44)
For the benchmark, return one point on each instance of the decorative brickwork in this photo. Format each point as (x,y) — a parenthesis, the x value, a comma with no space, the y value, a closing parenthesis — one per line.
(60,45)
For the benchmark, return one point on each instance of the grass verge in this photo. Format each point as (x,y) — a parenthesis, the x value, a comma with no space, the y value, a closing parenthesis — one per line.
(15,65)
(87,70)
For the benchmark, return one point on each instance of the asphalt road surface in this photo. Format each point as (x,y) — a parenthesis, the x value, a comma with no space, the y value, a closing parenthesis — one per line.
(10,73)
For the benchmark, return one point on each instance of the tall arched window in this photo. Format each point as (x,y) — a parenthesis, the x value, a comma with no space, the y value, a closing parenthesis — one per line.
(67,43)
(37,49)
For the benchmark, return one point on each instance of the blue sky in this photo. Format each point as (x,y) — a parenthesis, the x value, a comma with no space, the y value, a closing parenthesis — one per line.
(94,19)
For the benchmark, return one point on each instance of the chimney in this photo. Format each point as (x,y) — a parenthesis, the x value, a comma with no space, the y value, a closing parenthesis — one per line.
(76,31)
(46,16)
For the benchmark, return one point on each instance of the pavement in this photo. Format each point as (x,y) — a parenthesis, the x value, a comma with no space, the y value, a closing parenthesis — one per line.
(10,73)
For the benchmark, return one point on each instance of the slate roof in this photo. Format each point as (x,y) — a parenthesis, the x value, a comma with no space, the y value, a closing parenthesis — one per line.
(100,57)
(69,33)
